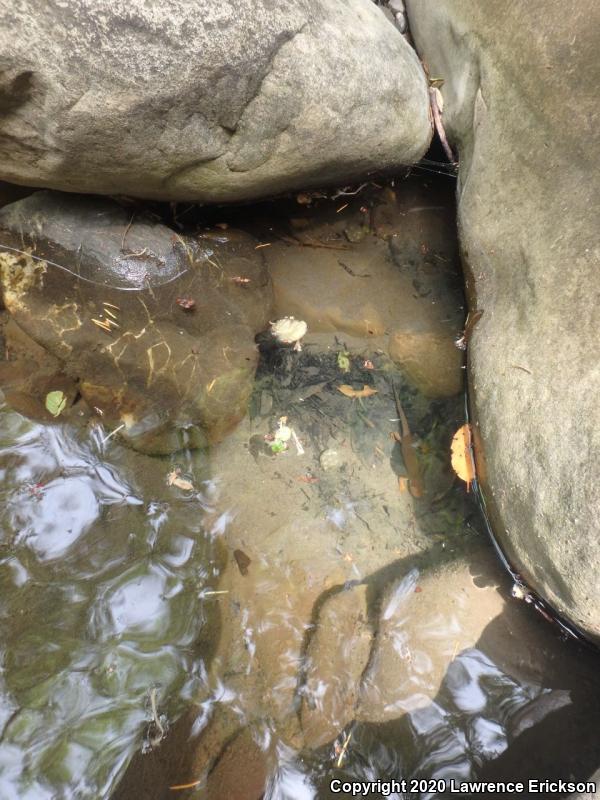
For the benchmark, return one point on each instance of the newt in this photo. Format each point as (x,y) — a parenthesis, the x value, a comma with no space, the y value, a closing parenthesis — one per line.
(405,439)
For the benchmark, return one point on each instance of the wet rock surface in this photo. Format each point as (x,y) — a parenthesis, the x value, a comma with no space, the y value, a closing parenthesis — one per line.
(206,101)
(518,104)
(157,330)
(380,265)
(336,658)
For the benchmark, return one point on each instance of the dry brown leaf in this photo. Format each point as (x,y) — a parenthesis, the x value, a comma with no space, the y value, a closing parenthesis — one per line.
(348,391)
(174,479)
(462,455)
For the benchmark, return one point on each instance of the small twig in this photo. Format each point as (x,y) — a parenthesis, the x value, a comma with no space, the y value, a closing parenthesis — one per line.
(301,243)
(518,366)
(340,760)
(439,125)
(344,193)
(179,786)
(102,324)
(351,271)
(126,231)
(299,447)
(116,430)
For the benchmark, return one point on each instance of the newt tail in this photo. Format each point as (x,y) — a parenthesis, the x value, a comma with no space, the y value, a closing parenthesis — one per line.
(411,462)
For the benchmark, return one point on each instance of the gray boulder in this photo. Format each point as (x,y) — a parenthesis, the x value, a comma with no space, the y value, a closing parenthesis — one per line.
(520,104)
(205,101)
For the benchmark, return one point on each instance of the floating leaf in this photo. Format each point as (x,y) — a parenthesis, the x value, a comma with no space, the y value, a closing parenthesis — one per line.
(56,402)
(462,455)
(348,391)
(343,361)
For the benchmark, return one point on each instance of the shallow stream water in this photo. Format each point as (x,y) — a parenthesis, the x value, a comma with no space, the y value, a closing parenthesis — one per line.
(271,621)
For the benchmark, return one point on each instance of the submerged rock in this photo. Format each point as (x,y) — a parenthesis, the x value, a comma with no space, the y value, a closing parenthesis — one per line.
(396,284)
(519,102)
(206,101)
(154,327)
(336,657)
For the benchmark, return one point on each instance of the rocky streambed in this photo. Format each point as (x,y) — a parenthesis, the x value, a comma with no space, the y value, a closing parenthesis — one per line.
(235,560)
(208,609)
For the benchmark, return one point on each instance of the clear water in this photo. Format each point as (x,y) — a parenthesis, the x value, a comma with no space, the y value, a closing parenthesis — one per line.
(276,621)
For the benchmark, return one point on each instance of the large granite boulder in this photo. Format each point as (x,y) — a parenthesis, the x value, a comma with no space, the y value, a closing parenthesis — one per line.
(205,101)
(520,105)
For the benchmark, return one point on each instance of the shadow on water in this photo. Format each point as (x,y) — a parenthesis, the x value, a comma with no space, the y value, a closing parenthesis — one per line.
(494,719)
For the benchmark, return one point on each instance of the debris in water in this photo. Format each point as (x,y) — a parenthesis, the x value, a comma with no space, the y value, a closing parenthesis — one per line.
(298,443)
(342,750)
(472,318)
(348,391)
(174,479)
(242,560)
(462,455)
(289,330)
(104,324)
(308,478)
(368,364)
(180,786)
(278,440)
(521,592)
(187,303)
(113,433)
(343,361)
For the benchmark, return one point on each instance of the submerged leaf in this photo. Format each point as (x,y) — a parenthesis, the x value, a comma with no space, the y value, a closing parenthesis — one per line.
(348,391)
(343,361)
(56,402)
(462,455)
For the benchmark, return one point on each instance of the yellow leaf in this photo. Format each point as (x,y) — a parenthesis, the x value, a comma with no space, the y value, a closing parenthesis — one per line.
(56,403)
(348,391)
(343,361)
(462,455)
